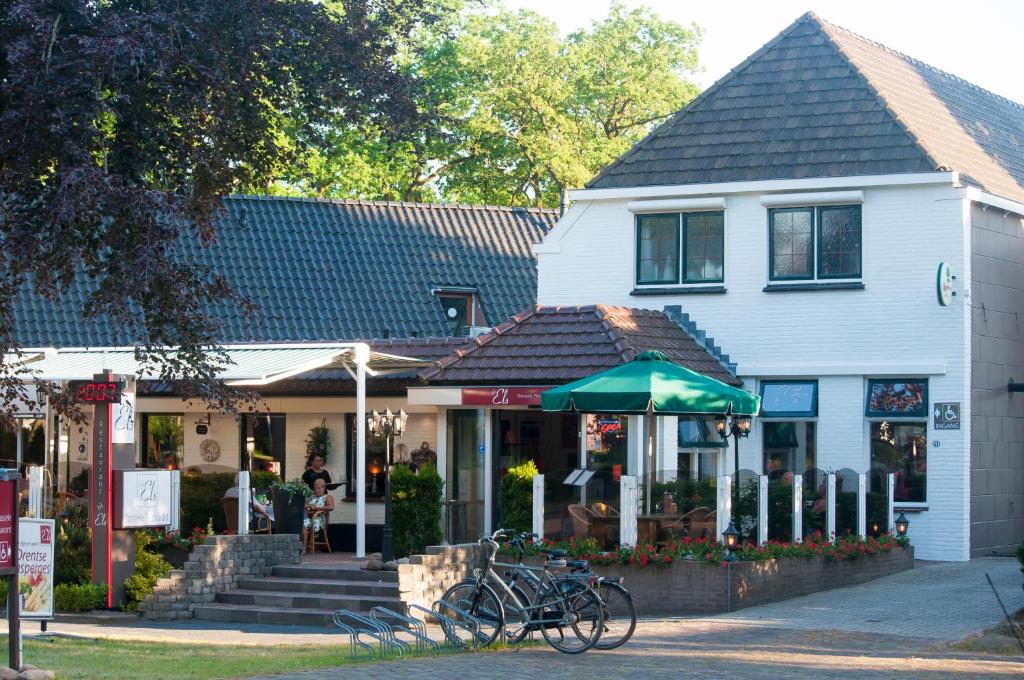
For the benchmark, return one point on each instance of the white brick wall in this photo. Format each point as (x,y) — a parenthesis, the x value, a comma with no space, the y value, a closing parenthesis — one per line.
(894,326)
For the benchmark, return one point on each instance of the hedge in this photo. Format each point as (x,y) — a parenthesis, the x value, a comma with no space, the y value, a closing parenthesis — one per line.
(516,497)
(201,494)
(415,509)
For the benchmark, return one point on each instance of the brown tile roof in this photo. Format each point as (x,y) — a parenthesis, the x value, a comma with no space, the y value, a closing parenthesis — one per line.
(820,101)
(555,345)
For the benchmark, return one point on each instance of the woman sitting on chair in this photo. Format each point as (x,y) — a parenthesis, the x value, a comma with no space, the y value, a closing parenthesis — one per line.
(316,510)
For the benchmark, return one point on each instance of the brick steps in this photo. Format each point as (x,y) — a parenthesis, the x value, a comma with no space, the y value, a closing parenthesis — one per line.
(237,613)
(304,594)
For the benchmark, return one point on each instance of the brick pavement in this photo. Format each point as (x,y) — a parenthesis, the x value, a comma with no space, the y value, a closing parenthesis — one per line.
(890,628)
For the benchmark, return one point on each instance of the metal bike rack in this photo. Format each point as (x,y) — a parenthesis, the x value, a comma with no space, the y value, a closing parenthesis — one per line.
(472,623)
(357,625)
(405,624)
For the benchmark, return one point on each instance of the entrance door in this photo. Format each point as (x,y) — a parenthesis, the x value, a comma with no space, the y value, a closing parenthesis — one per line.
(465,522)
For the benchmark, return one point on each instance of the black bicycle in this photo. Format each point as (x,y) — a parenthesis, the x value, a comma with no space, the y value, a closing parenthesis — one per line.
(619,610)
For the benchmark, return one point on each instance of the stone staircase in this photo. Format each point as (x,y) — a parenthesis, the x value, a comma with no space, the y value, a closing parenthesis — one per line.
(304,594)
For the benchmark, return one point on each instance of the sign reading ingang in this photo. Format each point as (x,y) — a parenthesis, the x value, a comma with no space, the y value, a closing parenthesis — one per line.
(946,415)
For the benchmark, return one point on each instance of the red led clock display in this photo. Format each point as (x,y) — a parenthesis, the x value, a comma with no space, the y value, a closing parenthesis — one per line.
(96,391)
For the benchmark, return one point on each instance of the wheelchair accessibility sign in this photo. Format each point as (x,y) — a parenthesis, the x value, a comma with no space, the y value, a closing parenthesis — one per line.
(946,415)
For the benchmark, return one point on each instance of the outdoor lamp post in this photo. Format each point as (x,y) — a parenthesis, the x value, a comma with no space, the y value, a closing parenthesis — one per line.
(901,525)
(388,425)
(731,538)
(738,427)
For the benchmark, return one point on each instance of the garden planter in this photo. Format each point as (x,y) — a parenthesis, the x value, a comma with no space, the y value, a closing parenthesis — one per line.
(289,511)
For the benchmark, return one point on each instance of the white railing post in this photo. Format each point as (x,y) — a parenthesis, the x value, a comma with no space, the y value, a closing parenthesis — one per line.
(694,465)
(35,490)
(243,503)
(862,505)
(798,508)
(630,497)
(830,506)
(175,524)
(724,505)
(538,506)
(762,509)
(890,491)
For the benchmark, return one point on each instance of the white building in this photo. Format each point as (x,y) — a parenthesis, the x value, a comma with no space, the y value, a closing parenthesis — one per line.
(802,212)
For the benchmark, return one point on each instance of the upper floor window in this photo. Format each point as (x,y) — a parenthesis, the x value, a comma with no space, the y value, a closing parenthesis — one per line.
(461,309)
(822,242)
(680,248)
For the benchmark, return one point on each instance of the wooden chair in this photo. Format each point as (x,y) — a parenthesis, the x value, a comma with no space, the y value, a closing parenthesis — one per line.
(312,540)
(703,524)
(230,507)
(580,517)
(603,510)
(682,526)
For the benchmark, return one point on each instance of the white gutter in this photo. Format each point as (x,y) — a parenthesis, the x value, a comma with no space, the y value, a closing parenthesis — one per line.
(979,196)
(806,184)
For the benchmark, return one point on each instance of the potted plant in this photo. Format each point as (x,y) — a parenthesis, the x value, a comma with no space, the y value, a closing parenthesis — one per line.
(318,441)
(290,505)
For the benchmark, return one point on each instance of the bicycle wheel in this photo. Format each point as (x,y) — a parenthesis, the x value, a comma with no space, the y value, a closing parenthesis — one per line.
(619,615)
(482,606)
(517,616)
(572,618)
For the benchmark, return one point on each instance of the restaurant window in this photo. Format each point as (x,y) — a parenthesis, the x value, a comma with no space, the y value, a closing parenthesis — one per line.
(376,452)
(902,448)
(164,441)
(789,446)
(789,398)
(265,434)
(687,245)
(815,243)
(902,398)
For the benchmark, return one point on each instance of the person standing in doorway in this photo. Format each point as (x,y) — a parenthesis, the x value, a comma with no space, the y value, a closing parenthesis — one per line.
(315,470)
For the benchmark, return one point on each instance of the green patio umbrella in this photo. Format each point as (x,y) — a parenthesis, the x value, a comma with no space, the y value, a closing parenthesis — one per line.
(651,385)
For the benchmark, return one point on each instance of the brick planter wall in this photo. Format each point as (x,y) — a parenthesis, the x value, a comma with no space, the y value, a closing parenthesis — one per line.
(426,577)
(217,564)
(701,588)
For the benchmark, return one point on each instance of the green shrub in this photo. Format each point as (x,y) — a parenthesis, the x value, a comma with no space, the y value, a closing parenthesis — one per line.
(415,509)
(79,597)
(149,568)
(515,502)
(72,559)
(201,494)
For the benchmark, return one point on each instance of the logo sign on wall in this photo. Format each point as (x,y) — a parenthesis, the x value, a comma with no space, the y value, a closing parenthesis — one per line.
(944,284)
(35,568)
(502,396)
(946,415)
(124,419)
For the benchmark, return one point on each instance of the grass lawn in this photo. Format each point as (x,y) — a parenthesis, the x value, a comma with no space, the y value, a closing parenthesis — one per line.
(72,659)
(996,640)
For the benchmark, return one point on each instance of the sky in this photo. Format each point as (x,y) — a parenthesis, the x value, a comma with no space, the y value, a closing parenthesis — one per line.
(978,41)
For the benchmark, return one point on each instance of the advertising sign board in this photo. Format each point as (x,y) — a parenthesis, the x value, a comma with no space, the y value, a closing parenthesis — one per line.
(35,568)
(143,498)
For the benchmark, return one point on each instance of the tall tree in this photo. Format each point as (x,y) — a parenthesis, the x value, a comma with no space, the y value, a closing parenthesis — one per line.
(123,122)
(514,112)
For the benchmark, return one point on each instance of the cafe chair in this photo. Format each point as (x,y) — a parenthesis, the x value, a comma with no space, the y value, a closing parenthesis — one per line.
(316,538)
(230,507)
(580,516)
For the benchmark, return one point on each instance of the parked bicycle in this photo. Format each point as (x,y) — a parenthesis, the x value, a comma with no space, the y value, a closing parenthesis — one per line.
(619,610)
(564,607)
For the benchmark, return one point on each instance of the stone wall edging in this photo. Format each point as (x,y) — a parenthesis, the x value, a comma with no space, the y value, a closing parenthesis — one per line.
(217,564)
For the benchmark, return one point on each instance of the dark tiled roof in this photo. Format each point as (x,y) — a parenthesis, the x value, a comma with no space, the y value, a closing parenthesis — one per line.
(338,270)
(819,101)
(555,345)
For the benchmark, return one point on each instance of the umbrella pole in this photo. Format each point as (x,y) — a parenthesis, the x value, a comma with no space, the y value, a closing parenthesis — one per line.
(650,457)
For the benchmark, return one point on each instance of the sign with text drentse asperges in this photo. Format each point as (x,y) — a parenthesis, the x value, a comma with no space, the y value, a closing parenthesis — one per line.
(35,568)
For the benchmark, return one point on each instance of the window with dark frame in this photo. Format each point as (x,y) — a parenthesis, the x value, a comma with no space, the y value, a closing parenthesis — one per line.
(789,399)
(680,248)
(811,243)
(902,448)
(376,452)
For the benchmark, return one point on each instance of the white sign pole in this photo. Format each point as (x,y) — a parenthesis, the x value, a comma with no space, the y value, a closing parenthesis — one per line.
(862,505)
(243,502)
(762,509)
(629,495)
(830,506)
(538,506)
(798,508)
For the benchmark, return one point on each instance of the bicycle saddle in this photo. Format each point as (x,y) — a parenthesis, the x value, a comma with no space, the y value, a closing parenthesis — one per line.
(554,553)
(577,564)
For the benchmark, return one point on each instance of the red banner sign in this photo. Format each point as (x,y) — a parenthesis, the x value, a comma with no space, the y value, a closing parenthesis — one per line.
(8,515)
(502,396)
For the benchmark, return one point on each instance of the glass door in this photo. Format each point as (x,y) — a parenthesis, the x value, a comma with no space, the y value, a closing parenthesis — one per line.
(464,522)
